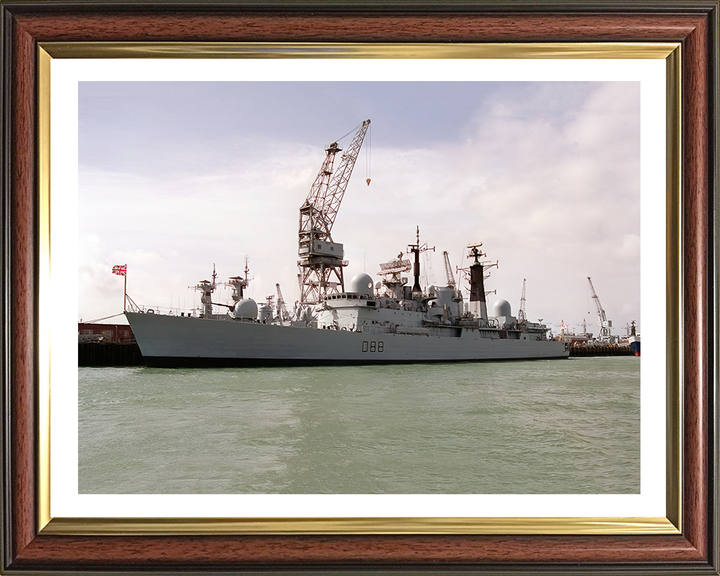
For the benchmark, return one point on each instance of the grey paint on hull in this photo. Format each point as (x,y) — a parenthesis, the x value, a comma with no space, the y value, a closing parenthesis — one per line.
(187,341)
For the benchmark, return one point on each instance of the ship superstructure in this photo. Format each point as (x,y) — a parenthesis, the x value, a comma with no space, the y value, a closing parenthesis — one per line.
(392,321)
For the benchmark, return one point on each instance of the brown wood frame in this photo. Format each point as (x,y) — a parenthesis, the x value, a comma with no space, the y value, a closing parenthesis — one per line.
(692,23)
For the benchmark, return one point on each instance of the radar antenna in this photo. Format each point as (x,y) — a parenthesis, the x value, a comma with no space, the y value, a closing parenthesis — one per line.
(392,271)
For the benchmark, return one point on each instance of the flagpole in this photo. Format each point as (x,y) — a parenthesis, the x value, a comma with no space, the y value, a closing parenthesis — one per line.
(122,271)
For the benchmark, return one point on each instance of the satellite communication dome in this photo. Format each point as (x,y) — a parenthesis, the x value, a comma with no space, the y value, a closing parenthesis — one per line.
(360,284)
(502,308)
(246,309)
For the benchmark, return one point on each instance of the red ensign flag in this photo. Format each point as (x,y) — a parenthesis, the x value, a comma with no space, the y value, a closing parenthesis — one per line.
(120,270)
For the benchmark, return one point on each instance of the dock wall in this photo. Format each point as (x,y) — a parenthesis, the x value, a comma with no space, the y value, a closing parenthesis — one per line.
(601,350)
(110,354)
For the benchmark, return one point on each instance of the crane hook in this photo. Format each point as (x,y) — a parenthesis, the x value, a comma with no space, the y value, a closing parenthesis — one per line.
(368,181)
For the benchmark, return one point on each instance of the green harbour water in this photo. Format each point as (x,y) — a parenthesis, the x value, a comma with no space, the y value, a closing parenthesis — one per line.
(527,427)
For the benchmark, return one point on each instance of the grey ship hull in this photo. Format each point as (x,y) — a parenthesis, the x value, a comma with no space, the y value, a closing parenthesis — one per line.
(174,341)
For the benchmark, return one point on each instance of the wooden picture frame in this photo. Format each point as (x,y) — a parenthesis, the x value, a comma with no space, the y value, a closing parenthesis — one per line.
(28,548)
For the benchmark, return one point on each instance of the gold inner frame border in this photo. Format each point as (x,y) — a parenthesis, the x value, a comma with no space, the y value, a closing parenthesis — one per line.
(671,524)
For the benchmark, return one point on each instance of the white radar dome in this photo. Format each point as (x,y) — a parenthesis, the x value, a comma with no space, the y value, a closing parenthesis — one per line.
(246,309)
(502,308)
(360,284)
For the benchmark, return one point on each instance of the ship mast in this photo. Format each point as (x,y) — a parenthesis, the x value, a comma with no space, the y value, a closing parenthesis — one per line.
(416,249)
(207,288)
(478,301)
(238,284)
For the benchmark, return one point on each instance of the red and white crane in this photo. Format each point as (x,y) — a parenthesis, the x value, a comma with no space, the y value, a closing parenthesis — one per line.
(320,268)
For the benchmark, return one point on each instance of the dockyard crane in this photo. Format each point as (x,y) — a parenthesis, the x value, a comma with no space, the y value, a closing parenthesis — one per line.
(521,312)
(320,268)
(448,270)
(282,312)
(604,323)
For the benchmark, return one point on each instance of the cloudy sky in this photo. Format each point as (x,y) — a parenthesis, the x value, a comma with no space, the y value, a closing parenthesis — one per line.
(177,176)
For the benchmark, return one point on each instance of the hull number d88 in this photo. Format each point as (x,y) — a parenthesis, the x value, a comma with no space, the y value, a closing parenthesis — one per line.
(372,346)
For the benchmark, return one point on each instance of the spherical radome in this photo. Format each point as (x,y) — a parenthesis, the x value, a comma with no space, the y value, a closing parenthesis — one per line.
(246,309)
(502,308)
(360,284)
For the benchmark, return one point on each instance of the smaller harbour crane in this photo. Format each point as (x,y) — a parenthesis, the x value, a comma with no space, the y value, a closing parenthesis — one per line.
(280,307)
(605,324)
(521,312)
(448,270)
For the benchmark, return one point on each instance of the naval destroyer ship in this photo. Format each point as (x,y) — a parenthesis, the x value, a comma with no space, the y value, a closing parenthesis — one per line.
(390,322)
(339,323)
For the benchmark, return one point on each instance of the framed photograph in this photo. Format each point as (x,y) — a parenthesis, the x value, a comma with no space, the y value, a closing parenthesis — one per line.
(267,177)
(46,529)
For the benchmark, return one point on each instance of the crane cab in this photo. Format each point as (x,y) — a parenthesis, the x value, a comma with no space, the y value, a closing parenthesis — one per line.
(320,248)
